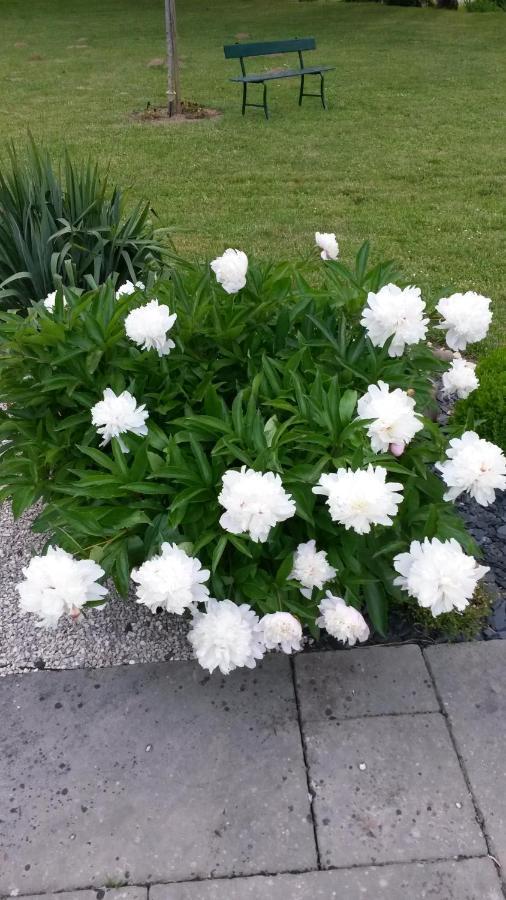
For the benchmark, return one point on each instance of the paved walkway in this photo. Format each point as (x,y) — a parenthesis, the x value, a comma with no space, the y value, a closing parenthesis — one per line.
(375,773)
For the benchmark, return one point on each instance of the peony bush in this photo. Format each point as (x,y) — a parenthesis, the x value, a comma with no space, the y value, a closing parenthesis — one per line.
(238,446)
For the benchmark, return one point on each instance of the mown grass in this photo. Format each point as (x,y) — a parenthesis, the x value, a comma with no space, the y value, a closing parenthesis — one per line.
(410,153)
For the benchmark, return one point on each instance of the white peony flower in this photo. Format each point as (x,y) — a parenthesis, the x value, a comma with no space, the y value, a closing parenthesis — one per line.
(475,466)
(226,636)
(393,413)
(343,622)
(311,568)
(57,583)
(128,288)
(148,326)
(230,270)
(360,499)
(466,318)
(438,574)
(460,379)
(117,414)
(280,630)
(398,312)
(50,301)
(328,245)
(172,580)
(254,503)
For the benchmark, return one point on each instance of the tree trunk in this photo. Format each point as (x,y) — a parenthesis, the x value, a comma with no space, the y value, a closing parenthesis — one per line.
(173,96)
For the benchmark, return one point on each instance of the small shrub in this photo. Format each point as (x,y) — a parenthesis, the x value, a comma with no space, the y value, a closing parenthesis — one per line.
(476,6)
(403,2)
(452,626)
(251,450)
(67,227)
(485,409)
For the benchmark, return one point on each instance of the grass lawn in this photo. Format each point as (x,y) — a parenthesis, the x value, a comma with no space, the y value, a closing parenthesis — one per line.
(411,152)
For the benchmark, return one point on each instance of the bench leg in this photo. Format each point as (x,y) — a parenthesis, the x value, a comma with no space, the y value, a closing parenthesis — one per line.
(322,90)
(301,92)
(321,93)
(262,105)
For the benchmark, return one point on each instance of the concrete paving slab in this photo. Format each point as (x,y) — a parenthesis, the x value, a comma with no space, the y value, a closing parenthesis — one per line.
(471,680)
(468,879)
(150,773)
(364,682)
(389,789)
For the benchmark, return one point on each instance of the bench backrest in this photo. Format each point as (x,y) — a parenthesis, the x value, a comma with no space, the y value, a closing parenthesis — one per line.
(265,48)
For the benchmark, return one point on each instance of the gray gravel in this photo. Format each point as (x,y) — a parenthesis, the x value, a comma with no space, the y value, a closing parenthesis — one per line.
(122,632)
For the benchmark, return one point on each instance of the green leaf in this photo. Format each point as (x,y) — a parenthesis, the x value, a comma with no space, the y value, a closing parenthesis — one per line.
(188,496)
(431,523)
(155,462)
(205,424)
(122,570)
(284,570)
(304,500)
(202,462)
(147,487)
(218,552)
(361,261)
(23,498)
(101,459)
(347,406)
(119,456)
(377,607)
(239,545)
(204,540)
(237,414)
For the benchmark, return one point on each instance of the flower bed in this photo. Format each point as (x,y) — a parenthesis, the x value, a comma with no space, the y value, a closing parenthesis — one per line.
(266,462)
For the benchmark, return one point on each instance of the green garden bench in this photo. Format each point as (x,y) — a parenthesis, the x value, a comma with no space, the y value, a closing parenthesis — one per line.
(296,45)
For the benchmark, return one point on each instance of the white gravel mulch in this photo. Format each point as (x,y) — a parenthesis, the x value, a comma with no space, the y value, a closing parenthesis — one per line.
(122,632)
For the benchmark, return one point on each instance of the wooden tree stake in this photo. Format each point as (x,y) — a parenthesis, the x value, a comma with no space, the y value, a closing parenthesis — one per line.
(173,95)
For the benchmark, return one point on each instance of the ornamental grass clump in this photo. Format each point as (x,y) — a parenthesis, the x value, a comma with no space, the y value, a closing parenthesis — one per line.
(241,448)
(68,225)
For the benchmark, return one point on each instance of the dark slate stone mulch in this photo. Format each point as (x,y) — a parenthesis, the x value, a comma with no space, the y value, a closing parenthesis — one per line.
(487,525)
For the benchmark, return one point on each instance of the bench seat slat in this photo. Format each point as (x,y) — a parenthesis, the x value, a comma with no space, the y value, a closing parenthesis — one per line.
(265,48)
(285,73)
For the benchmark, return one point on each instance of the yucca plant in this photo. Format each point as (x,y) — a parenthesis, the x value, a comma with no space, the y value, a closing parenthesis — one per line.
(68,226)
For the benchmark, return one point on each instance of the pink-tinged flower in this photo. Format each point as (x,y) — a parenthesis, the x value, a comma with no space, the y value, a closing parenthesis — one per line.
(394,421)
(57,584)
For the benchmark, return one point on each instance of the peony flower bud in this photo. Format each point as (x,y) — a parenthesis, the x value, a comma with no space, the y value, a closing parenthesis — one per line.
(397,449)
